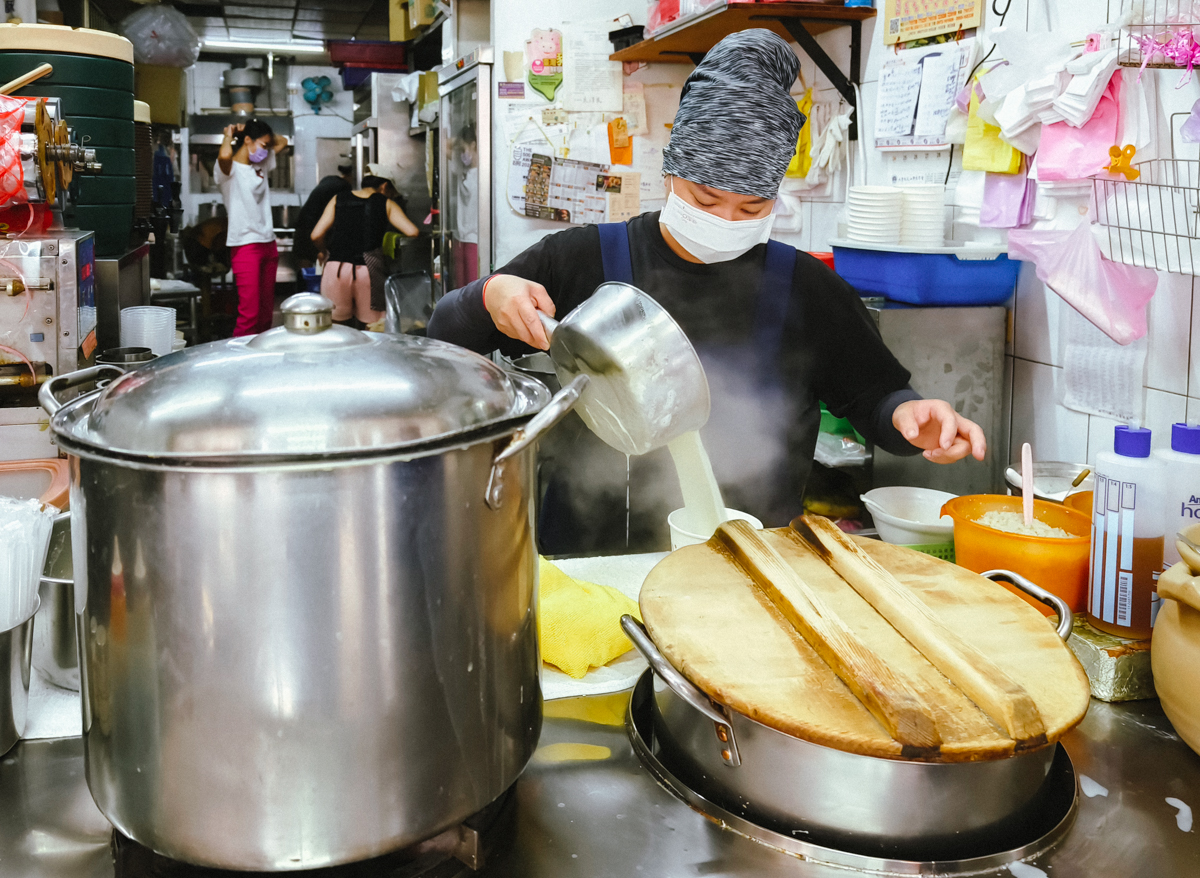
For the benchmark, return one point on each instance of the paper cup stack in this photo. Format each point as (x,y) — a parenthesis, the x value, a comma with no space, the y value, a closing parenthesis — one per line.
(148,326)
(923,218)
(874,214)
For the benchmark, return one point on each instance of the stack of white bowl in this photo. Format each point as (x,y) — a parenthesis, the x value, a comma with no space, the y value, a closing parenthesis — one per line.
(923,222)
(874,214)
(148,326)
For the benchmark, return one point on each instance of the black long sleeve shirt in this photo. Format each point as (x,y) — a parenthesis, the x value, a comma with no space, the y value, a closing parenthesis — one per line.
(761,434)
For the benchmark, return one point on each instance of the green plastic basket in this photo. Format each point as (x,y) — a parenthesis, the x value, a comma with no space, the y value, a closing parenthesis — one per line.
(944,551)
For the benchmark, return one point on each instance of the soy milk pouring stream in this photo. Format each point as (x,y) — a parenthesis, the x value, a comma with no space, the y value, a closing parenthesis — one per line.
(647,389)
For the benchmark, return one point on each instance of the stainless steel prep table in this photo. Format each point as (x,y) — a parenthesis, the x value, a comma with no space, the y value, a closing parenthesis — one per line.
(596,818)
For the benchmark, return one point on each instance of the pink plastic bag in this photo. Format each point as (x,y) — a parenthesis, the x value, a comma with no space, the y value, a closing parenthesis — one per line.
(12,177)
(1112,295)
(1067,153)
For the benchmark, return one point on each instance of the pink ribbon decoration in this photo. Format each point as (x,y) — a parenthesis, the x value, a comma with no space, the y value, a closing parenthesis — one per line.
(1180,48)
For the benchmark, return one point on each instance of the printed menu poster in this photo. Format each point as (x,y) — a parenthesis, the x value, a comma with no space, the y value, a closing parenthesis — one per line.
(565,190)
(905,20)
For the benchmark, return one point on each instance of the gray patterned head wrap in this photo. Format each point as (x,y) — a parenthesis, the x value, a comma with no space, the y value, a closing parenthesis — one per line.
(737,125)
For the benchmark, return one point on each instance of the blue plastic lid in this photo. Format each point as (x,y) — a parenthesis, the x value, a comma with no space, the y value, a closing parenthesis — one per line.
(1131,441)
(1185,438)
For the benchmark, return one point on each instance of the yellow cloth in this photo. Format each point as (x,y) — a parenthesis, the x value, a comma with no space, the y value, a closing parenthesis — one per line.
(579,623)
(984,150)
(802,160)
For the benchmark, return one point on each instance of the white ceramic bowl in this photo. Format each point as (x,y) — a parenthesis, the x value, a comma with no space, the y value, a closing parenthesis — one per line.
(910,516)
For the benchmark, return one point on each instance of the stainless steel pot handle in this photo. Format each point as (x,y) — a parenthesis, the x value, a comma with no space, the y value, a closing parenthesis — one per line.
(49,401)
(554,412)
(1065,617)
(683,687)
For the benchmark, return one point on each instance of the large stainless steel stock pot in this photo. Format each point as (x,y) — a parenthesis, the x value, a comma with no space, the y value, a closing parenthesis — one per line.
(307,606)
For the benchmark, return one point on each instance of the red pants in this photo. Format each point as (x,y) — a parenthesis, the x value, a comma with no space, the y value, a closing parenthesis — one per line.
(254,273)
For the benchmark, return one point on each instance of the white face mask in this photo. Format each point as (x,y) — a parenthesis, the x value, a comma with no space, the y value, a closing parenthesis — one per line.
(710,238)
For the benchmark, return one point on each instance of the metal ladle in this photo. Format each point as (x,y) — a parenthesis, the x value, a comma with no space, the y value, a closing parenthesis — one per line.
(647,385)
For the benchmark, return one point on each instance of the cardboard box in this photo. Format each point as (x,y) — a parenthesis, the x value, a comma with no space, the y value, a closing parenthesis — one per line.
(421,13)
(399,28)
(428,93)
(162,89)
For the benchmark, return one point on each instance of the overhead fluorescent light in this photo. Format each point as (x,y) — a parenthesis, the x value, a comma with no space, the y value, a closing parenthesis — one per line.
(289,48)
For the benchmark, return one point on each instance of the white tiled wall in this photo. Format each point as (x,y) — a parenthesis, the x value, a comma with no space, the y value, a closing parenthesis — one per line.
(1172,378)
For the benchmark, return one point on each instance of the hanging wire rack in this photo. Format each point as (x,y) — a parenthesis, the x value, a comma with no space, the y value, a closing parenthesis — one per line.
(1158,20)
(1152,222)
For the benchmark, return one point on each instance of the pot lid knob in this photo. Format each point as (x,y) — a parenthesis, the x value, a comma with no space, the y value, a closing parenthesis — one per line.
(307,313)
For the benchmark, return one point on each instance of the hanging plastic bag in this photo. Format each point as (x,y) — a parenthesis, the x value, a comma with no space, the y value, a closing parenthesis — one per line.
(1007,200)
(1112,295)
(161,35)
(1067,153)
(802,160)
(12,176)
(984,150)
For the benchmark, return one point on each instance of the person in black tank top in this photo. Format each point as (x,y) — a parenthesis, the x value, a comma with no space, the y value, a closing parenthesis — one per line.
(353,226)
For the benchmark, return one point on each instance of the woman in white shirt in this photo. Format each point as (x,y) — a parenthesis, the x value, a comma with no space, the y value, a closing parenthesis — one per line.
(247,155)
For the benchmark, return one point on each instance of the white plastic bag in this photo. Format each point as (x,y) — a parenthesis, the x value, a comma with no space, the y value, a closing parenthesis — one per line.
(161,36)
(1112,295)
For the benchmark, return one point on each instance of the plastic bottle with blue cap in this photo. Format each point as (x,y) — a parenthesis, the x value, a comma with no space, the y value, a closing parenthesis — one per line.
(1181,485)
(1127,536)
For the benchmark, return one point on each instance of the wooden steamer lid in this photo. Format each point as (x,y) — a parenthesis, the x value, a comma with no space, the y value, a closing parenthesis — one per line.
(58,38)
(714,623)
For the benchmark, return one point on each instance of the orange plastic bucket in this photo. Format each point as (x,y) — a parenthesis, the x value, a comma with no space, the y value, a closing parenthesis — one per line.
(1058,565)
(1081,502)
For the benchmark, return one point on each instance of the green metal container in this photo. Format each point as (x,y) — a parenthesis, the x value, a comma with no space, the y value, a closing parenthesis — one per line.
(78,100)
(105,190)
(111,224)
(93,72)
(96,131)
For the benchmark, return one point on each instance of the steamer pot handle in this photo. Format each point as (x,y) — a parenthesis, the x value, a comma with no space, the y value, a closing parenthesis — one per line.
(1065,618)
(46,396)
(541,423)
(683,687)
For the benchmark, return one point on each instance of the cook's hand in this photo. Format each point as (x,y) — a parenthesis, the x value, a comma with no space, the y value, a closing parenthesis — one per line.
(231,130)
(513,303)
(944,434)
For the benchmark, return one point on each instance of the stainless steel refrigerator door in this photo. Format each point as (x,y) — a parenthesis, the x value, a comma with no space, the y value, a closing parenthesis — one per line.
(466,177)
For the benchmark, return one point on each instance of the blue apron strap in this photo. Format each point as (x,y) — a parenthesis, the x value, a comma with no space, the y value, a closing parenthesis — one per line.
(774,293)
(614,252)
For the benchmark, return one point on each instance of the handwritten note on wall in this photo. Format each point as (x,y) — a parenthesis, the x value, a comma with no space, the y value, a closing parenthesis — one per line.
(917,88)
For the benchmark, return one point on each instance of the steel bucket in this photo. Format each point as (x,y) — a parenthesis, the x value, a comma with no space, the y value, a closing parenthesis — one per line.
(850,801)
(647,385)
(16,652)
(55,651)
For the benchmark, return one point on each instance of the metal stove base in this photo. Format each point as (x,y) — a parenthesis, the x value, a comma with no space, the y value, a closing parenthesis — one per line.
(458,852)
(1054,819)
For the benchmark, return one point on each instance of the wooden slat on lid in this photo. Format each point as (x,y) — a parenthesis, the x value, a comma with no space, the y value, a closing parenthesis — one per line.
(890,698)
(717,627)
(993,691)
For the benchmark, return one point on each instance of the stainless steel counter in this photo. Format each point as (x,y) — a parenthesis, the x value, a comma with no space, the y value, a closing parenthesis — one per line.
(586,808)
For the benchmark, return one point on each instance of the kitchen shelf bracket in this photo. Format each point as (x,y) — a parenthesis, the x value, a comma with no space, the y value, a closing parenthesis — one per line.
(843,83)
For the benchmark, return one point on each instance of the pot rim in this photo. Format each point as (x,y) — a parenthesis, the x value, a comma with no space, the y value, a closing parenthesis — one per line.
(264,462)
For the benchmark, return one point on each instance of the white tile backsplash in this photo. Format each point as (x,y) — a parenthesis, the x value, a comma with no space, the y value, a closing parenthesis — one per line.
(1163,410)
(1169,319)
(1100,436)
(1035,323)
(1055,432)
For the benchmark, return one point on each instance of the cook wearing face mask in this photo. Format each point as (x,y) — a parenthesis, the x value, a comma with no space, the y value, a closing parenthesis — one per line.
(778,331)
(246,158)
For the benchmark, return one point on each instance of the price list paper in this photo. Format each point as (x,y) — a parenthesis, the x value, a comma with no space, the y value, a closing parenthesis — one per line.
(917,88)
(905,20)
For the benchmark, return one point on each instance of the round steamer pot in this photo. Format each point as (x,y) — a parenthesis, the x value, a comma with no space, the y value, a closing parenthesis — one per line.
(86,70)
(852,801)
(307,614)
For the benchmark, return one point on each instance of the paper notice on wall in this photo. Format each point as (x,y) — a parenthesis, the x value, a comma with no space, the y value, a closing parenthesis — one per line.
(633,109)
(917,88)
(590,80)
(624,195)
